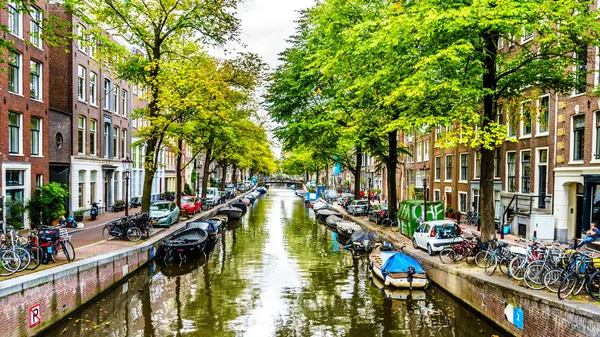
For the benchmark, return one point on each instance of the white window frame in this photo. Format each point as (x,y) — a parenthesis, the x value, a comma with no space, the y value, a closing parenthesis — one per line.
(20,146)
(26,168)
(15,29)
(476,154)
(574,93)
(460,208)
(93,89)
(539,133)
(597,68)
(572,142)
(35,27)
(460,162)
(115,99)
(437,195)
(84,134)
(595,138)
(106,139)
(522,123)
(521,166)
(40,82)
(19,69)
(419,152)
(123,142)
(426,150)
(435,168)
(106,93)
(93,149)
(526,37)
(115,141)
(81,83)
(446,178)
(124,102)
(536,187)
(500,42)
(506,175)
(40,137)
(81,39)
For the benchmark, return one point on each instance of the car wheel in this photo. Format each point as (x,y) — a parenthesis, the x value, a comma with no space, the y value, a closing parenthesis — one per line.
(429,250)
(414,242)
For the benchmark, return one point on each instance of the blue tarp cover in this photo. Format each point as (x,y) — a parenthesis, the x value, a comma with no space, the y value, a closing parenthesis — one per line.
(397,262)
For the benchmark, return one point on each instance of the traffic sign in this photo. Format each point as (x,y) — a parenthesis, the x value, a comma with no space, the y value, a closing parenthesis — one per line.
(35,316)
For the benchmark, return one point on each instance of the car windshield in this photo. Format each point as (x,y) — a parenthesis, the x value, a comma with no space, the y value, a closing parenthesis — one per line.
(362,202)
(160,207)
(447,231)
(383,207)
(190,200)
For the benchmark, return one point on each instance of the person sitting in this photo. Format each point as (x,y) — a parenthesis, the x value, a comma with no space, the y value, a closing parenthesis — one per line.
(592,235)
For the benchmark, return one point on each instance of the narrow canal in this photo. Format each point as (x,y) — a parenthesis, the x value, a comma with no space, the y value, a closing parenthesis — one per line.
(276,274)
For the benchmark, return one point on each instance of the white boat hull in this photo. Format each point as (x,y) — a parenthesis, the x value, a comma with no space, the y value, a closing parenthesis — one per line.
(400,282)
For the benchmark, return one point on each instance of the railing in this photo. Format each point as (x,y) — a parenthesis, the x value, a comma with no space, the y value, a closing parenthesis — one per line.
(520,203)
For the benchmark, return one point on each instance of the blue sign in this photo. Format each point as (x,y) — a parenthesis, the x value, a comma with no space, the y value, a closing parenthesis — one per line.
(337,169)
(518,317)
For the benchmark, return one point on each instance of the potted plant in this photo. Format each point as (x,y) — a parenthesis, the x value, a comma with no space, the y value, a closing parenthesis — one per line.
(134,202)
(118,206)
(78,215)
(449,211)
(47,204)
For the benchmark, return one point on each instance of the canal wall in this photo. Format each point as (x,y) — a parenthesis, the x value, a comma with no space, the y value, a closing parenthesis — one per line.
(32,303)
(517,309)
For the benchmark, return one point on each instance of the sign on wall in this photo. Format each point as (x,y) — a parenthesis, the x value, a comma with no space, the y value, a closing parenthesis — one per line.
(35,317)
(514,315)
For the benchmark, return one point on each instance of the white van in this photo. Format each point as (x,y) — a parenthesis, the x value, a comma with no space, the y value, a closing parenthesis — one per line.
(213,196)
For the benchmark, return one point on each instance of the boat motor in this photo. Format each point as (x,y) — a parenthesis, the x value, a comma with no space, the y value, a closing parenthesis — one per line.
(410,272)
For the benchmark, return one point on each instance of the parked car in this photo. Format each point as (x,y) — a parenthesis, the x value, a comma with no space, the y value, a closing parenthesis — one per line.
(347,201)
(435,235)
(358,207)
(190,204)
(330,195)
(164,213)
(378,212)
(230,192)
(213,196)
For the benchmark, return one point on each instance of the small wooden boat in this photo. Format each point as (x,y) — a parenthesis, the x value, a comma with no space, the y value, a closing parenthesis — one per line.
(188,243)
(332,221)
(224,218)
(397,269)
(347,228)
(324,213)
(262,190)
(319,205)
(232,213)
(240,205)
(362,241)
(211,226)
(398,293)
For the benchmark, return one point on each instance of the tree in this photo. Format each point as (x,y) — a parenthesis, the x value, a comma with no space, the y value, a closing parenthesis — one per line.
(158,27)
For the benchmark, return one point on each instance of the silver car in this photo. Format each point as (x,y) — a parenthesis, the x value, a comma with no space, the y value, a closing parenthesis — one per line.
(437,234)
(358,207)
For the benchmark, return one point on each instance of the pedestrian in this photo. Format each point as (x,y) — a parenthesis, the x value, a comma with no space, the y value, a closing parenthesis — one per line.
(362,194)
(592,235)
(371,194)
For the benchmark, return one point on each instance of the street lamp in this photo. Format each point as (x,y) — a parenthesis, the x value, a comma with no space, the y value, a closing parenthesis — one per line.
(425,180)
(126,172)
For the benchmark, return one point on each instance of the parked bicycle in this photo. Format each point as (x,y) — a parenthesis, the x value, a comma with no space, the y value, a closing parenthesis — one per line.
(130,228)
(391,222)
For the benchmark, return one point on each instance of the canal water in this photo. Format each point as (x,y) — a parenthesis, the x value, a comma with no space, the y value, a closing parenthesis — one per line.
(277,274)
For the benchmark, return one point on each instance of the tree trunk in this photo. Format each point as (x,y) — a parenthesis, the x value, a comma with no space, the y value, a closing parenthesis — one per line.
(326,176)
(392,163)
(205,171)
(488,218)
(234,176)
(223,176)
(179,170)
(148,174)
(357,173)
(317,180)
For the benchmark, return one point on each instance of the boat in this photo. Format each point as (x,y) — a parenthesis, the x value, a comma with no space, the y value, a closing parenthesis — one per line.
(232,213)
(179,269)
(397,269)
(332,221)
(224,218)
(188,243)
(245,201)
(319,205)
(362,241)
(212,227)
(240,205)
(398,293)
(323,214)
(347,228)
(262,190)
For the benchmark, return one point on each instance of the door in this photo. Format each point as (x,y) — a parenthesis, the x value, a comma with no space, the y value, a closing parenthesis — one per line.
(420,236)
(578,215)
(106,191)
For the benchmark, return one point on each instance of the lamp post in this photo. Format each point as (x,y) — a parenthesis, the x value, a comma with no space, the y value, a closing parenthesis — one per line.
(425,194)
(126,172)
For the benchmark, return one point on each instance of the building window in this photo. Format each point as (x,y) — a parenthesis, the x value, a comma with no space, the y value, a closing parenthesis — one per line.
(438,131)
(448,175)
(527,35)
(525,171)
(462,202)
(80,38)
(92,137)
(500,42)
(511,171)
(36,128)
(580,71)
(115,142)
(477,164)
(426,151)
(597,155)
(436,195)
(438,163)
(106,94)
(35,69)
(542,171)
(15,18)
(35,27)
(116,99)
(81,188)
(93,94)
(106,143)
(39,180)
(93,46)
(511,125)
(123,142)
(544,114)
(526,120)
(464,166)
(81,135)
(497,162)
(92,186)
(124,102)
(578,137)
(14,133)
(419,152)
(475,202)
(81,83)
(14,72)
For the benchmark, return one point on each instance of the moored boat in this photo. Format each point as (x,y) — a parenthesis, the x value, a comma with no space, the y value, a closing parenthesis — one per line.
(224,218)
(240,205)
(232,213)
(245,201)
(362,241)
(398,269)
(262,190)
(188,243)
(347,228)
(332,221)
(324,213)
(319,205)
(211,226)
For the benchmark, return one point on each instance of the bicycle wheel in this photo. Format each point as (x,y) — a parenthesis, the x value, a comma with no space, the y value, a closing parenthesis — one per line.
(36,257)
(470,254)
(567,284)
(23,256)
(134,234)
(69,250)
(517,267)
(10,263)
(552,279)
(149,230)
(534,275)
(490,265)
(481,258)
(503,265)
(385,223)
(394,226)
(581,282)
(594,285)
(447,255)
(106,232)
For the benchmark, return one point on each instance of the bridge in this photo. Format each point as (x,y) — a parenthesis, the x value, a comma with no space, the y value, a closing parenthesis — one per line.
(289,183)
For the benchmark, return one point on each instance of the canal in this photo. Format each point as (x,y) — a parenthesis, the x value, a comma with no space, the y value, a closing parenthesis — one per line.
(276,274)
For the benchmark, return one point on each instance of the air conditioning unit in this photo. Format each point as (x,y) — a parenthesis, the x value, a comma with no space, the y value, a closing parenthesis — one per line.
(542,227)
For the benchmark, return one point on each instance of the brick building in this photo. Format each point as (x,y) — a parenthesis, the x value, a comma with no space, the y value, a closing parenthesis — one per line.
(90,102)
(24,120)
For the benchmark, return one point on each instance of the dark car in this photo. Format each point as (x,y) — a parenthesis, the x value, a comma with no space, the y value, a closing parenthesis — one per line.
(378,212)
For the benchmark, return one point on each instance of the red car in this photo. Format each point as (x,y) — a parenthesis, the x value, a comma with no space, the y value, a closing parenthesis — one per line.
(190,205)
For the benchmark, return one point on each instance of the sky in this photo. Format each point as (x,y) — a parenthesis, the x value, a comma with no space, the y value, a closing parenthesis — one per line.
(265,27)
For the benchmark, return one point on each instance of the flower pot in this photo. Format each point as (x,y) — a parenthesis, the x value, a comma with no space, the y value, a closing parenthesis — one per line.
(54,222)
(449,214)
(78,218)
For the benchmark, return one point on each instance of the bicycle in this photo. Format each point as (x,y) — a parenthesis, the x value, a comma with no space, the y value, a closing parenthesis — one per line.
(462,251)
(522,257)
(499,258)
(536,270)
(390,223)
(13,245)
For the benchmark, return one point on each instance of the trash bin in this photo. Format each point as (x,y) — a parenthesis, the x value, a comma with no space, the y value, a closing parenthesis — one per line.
(410,215)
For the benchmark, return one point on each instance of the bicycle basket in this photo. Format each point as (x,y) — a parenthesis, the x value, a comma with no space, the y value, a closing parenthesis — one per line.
(596,261)
(484,245)
(518,250)
(49,233)
(64,235)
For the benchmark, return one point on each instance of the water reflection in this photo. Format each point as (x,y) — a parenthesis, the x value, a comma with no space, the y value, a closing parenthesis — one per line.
(276,274)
